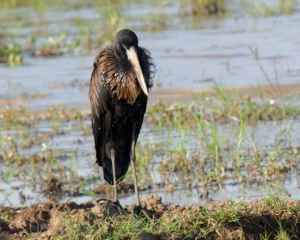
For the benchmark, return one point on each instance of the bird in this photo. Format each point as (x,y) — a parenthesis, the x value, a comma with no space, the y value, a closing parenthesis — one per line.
(121,79)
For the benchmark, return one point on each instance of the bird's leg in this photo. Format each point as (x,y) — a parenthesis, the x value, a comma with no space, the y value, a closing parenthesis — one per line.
(132,159)
(109,205)
(113,161)
(138,209)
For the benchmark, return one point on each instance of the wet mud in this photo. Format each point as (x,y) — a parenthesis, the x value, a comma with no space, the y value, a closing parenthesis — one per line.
(250,221)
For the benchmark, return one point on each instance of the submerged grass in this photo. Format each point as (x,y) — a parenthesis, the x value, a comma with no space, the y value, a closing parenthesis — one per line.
(215,140)
(27,154)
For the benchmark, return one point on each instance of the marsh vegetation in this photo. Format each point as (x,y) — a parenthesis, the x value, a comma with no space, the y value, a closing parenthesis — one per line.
(202,148)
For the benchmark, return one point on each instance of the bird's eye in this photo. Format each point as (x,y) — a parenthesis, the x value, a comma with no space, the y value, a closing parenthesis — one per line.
(123,45)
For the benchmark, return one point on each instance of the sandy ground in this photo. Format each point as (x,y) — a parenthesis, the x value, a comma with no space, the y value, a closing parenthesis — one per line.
(180,95)
(187,95)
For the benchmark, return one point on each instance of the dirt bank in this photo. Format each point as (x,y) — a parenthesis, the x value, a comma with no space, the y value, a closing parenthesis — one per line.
(186,95)
(226,220)
(174,95)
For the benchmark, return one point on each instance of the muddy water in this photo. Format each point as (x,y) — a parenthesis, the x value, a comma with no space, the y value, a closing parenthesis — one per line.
(190,53)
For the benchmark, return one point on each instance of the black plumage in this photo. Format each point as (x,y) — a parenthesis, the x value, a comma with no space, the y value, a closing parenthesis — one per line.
(119,86)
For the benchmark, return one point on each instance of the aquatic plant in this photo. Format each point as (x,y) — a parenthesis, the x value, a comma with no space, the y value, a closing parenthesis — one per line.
(203,7)
(273,8)
(10,53)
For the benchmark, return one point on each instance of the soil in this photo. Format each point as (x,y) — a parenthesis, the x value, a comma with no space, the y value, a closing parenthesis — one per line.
(187,95)
(170,95)
(255,219)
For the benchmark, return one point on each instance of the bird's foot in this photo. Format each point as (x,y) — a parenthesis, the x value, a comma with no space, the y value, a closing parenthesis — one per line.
(139,211)
(113,207)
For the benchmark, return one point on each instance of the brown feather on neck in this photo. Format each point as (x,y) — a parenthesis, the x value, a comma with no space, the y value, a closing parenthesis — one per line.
(126,88)
(124,85)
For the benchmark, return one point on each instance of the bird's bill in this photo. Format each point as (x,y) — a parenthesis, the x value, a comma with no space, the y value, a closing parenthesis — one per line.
(133,58)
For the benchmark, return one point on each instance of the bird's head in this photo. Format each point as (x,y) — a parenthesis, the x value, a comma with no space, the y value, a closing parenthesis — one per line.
(126,51)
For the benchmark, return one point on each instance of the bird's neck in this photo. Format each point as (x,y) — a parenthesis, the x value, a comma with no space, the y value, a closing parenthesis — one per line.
(123,65)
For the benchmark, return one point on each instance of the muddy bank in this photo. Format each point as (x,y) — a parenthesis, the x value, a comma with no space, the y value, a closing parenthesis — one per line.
(187,95)
(226,220)
(169,95)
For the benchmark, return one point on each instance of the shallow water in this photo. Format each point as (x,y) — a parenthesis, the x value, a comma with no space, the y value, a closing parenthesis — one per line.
(75,156)
(189,53)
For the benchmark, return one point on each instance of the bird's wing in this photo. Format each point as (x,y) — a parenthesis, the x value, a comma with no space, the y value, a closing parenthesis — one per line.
(139,122)
(100,103)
